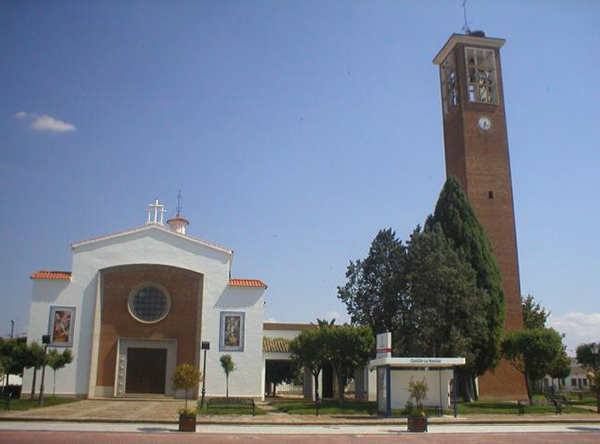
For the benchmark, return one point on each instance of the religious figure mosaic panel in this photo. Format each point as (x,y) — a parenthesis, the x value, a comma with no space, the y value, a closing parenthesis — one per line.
(231,331)
(62,324)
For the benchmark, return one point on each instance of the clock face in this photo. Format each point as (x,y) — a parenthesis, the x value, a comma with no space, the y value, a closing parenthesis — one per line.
(485,123)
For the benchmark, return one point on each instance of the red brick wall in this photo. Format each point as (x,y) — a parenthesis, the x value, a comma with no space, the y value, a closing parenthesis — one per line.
(480,160)
(182,322)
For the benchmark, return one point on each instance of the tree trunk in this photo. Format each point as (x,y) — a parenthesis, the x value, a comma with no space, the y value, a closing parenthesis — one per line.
(274,390)
(473,388)
(341,387)
(464,388)
(54,385)
(528,385)
(316,385)
(227,387)
(33,382)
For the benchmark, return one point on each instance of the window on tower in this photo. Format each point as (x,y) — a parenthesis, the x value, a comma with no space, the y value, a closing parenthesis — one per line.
(449,92)
(481,75)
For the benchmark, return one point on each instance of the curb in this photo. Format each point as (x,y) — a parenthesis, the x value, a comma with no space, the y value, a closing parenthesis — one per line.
(401,422)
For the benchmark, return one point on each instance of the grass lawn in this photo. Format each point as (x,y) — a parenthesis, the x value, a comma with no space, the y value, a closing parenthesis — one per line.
(26,404)
(585,400)
(510,408)
(223,408)
(353,407)
(328,407)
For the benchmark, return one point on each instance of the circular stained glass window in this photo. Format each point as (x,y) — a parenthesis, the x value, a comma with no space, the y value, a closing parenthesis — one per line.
(149,303)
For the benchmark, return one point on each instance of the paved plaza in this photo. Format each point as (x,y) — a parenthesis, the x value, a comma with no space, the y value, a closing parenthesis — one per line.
(166,411)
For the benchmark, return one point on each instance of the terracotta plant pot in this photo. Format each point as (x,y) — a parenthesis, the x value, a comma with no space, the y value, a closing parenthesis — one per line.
(187,423)
(417,424)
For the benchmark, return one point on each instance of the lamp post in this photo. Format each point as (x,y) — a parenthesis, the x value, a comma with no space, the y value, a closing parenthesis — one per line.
(45,341)
(205,347)
(596,351)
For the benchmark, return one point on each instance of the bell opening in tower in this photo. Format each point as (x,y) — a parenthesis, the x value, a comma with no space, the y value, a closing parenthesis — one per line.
(481,75)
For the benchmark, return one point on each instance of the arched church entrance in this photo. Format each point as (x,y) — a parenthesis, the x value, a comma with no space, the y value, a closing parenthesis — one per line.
(150,323)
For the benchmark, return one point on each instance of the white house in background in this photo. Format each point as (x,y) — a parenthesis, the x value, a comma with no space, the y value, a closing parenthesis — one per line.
(576,382)
(138,303)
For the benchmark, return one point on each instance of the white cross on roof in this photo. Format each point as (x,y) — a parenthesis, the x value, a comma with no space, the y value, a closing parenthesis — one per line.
(155,213)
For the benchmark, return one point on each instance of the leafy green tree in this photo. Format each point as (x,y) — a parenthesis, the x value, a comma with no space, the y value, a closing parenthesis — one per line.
(588,357)
(532,352)
(12,356)
(375,292)
(347,349)
(467,237)
(308,351)
(561,367)
(186,377)
(446,304)
(56,361)
(534,315)
(34,358)
(228,367)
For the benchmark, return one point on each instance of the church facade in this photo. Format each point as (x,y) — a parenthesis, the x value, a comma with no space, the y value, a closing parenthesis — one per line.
(138,303)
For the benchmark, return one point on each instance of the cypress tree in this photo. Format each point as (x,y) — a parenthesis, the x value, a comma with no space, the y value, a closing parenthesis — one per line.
(462,228)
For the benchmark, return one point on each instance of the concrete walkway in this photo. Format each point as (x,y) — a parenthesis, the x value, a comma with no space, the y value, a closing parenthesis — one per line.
(378,429)
(166,411)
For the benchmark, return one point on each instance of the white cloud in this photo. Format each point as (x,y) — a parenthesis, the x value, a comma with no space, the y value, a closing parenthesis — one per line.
(46,122)
(578,328)
(272,320)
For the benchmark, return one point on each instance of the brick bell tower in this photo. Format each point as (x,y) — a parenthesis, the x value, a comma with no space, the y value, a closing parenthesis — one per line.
(476,151)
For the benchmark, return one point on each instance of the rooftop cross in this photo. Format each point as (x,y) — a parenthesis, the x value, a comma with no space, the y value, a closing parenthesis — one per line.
(155,213)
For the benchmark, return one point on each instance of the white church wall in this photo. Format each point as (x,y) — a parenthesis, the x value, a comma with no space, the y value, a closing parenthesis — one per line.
(247,379)
(150,245)
(45,294)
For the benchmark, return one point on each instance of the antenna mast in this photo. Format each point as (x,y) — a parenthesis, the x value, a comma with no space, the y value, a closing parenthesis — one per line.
(465,27)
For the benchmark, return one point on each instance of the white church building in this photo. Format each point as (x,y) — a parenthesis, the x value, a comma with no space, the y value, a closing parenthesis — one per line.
(139,302)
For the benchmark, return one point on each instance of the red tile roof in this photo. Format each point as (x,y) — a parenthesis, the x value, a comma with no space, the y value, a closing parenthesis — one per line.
(51,275)
(247,283)
(276,345)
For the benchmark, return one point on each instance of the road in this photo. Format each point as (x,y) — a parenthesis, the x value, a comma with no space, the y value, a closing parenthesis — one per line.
(55,433)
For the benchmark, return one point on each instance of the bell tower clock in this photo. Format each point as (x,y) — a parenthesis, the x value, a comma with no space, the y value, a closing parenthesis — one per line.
(476,152)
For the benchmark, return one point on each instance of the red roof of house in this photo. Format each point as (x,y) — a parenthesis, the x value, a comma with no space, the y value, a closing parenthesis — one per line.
(247,283)
(51,275)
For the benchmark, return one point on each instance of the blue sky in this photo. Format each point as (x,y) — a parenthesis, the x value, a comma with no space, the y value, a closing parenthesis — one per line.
(295,130)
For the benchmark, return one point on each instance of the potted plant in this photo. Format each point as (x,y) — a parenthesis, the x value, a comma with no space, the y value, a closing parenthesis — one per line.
(186,377)
(417,418)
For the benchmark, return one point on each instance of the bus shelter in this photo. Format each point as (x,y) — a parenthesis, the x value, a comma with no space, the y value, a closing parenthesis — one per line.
(394,375)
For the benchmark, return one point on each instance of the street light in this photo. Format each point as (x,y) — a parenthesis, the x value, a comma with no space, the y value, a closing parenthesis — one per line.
(595,347)
(45,341)
(205,347)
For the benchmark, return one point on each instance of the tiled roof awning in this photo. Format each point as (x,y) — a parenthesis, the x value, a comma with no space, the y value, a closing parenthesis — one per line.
(65,275)
(247,283)
(276,345)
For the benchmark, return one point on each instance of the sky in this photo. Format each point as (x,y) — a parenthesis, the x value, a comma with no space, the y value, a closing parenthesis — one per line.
(294,130)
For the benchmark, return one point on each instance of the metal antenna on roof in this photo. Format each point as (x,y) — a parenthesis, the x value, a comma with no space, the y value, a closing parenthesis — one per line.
(178,209)
(466,25)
